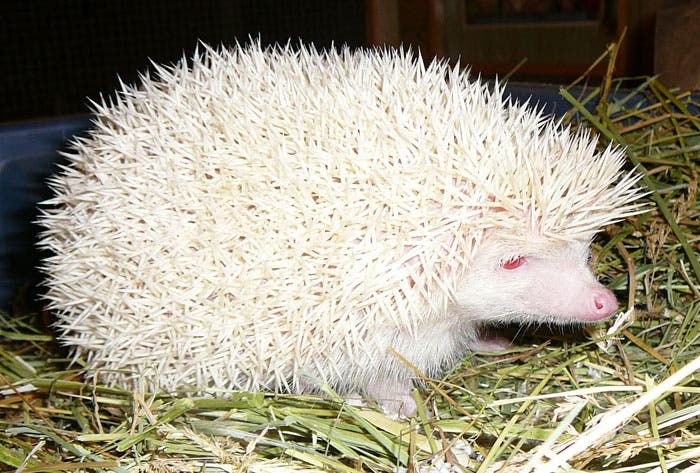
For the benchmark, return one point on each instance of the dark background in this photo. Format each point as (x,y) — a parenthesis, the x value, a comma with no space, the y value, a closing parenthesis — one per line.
(56,54)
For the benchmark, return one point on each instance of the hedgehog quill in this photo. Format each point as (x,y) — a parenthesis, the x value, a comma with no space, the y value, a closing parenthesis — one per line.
(270,218)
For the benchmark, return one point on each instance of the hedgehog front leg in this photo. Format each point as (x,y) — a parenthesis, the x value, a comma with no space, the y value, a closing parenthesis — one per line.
(489,343)
(393,396)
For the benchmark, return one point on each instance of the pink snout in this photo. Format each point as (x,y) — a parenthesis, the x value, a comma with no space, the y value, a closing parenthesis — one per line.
(601,304)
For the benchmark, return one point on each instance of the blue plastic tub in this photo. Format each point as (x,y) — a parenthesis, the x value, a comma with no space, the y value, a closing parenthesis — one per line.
(28,155)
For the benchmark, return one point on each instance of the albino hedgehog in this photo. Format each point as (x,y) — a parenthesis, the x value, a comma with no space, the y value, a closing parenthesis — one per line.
(273,219)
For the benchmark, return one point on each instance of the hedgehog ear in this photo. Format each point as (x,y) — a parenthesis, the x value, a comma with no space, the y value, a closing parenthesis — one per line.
(530,215)
(492,198)
(535,220)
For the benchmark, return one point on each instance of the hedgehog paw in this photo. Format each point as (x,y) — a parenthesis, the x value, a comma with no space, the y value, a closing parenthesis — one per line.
(490,344)
(394,397)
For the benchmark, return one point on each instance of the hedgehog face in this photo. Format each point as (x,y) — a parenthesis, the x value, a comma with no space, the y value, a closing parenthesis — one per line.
(544,280)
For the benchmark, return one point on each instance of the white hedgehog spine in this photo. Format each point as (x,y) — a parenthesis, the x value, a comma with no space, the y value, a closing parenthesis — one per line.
(231,223)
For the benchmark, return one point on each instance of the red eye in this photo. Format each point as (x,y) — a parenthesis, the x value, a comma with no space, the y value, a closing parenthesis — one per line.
(513,262)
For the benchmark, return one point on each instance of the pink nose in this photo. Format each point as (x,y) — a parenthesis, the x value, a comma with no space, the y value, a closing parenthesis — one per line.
(602,304)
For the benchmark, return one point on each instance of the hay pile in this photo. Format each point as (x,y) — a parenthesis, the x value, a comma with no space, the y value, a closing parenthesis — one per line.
(624,397)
